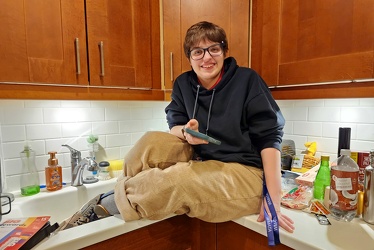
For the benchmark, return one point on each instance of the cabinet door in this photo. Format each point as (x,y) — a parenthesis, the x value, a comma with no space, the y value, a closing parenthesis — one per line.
(296,42)
(179,15)
(38,41)
(123,41)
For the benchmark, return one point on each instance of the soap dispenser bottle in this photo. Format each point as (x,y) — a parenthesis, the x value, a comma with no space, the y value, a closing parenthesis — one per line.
(53,173)
(29,182)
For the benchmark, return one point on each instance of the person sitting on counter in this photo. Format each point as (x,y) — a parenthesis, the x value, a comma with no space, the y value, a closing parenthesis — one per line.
(217,175)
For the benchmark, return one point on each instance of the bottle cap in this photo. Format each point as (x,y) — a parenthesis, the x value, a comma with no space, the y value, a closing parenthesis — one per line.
(104,164)
(345,152)
(52,159)
(325,158)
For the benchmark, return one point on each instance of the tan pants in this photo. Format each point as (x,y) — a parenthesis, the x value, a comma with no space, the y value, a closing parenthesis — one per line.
(160,179)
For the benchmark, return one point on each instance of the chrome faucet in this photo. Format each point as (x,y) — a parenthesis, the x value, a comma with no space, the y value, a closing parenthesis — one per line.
(75,159)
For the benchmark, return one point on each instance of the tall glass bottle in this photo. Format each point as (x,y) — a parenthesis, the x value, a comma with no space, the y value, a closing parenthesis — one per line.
(344,187)
(322,179)
(29,183)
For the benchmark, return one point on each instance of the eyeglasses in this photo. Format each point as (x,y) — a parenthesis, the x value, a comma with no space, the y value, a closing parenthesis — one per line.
(213,50)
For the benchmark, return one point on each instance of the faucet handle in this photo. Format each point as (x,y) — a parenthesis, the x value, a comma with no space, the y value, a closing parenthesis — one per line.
(73,152)
(92,164)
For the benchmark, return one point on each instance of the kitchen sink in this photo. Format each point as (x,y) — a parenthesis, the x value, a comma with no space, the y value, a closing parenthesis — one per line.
(59,204)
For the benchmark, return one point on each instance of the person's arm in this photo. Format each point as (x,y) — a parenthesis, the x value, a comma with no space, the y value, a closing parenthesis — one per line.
(271,163)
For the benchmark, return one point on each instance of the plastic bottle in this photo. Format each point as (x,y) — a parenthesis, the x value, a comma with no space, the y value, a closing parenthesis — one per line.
(29,182)
(104,170)
(322,179)
(53,173)
(344,187)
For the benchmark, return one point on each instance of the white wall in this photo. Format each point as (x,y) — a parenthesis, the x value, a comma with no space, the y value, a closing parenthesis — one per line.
(46,125)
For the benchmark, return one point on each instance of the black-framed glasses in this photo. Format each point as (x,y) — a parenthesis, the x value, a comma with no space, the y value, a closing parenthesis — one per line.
(213,50)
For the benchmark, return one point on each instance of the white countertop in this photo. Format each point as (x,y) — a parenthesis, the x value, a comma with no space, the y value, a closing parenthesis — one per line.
(309,234)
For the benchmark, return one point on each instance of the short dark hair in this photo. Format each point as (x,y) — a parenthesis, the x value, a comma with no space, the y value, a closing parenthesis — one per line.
(204,31)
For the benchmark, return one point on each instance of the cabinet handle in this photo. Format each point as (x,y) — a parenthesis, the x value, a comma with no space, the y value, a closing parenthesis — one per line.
(171,67)
(78,60)
(101,46)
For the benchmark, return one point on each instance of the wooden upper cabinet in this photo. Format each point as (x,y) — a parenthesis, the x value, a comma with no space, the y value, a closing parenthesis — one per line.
(124,43)
(297,42)
(179,15)
(38,41)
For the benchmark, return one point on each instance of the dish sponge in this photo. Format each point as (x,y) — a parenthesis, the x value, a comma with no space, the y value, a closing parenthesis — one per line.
(115,168)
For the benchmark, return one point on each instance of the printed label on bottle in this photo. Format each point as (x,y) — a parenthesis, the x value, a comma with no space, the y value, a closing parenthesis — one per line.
(55,178)
(344,190)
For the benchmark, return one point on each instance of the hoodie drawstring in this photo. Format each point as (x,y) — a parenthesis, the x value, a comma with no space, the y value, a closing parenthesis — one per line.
(197,97)
(210,107)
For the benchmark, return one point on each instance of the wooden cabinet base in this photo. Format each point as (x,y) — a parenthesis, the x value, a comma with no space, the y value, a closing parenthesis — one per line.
(182,232)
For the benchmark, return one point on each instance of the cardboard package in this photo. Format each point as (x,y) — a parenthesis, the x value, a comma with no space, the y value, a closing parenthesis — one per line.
(307,178)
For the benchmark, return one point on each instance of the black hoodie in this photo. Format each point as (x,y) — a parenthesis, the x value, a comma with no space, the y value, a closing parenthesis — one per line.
(239,111)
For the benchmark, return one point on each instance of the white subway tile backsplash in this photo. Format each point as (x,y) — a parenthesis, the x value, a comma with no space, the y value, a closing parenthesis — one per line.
(332,129)
(75,104)
(324,114)
(104,104)
(42,104)
(156,125)
(367,102)
(141,113)
(104,128)
(309,103)
(56,144)
(43,131)
(159,113)
(22,115)
(118,114)
(47,124)
(307,128)
(362,145)
(342,102)
(358,114)
(365,132)
(285,103)
(295,113)
(13,166)
(76,129)
(13,133)
(12,104)
(131,126)
(112,153)
(60,115)
(11,150)
(288,128)
(118,140)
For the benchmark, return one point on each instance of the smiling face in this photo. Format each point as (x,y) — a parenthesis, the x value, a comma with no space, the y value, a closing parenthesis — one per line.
(199,41)
(207,68)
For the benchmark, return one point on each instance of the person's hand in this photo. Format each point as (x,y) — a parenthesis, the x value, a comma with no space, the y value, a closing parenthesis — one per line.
(285,222)
(193,124)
